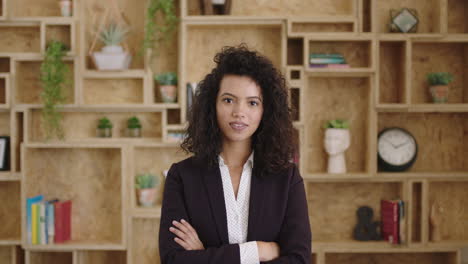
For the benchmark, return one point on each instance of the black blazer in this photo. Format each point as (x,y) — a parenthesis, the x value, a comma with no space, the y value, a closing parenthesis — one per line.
(277,212)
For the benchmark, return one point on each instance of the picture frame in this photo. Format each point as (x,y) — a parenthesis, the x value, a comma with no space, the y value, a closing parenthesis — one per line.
(404,20)
(4,153)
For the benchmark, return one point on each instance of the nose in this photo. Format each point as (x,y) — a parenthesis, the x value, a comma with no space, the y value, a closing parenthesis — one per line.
(238,110)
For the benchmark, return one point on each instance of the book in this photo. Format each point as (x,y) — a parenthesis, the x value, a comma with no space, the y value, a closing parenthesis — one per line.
(401,221)
(326,55)
(50,221)
(29,202)
(34,224)
(327,60)
(62,221)
(390,220)
(42,223)
(330,66)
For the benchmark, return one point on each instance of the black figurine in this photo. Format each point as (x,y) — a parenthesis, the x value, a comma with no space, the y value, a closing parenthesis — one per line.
(365,229)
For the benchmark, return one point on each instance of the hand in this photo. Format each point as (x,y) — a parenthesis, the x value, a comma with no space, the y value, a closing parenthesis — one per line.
(187,237)
(267,250)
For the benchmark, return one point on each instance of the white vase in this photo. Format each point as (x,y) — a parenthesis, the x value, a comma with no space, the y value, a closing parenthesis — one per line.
(336,142)
(218,2)
(66,8)
(112,58)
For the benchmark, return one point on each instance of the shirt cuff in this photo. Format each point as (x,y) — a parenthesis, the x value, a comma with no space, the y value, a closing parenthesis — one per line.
(249,253)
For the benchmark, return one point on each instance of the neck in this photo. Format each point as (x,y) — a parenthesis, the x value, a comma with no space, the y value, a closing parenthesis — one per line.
(235,154)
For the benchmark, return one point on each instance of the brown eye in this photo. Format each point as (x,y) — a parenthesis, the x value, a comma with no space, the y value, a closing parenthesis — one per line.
(227,100)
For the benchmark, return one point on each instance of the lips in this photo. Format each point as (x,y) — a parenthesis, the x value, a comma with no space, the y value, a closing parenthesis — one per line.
(238,126)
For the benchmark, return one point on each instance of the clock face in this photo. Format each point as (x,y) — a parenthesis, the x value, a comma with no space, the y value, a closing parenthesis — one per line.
(396,147)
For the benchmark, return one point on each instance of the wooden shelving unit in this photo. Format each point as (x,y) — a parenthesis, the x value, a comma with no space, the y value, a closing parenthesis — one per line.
(384,86)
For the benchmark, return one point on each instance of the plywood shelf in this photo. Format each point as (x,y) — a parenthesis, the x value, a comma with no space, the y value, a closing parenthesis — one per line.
(74,245)
(10,242)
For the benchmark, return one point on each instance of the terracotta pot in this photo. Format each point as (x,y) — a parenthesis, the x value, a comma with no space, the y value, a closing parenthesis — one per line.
(168,93)
(439,93)
(146,197)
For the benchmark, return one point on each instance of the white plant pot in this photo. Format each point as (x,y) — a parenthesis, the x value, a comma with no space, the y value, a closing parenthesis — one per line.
(66,8)
(336,142)
(218,2)
(112,58)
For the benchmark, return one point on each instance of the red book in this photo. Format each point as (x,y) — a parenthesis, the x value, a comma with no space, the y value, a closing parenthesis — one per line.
(389,221)
(62,221)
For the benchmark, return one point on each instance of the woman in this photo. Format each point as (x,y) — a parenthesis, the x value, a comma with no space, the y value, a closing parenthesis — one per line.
(238,199)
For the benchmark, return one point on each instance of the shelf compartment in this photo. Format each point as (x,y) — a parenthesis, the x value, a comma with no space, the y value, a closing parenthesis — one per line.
(279,8)
(295,51)
(144,246)
(81,125)
(397,257)
(101,257)
(18,124)
(10,210)
(457,12)
(18,38)
(415,207)
(332,25)
(357,53)
(34,257)
(59,32)
(352,104)
(31,8)
(6,254)
(328,211)
(440,57)
(428,14)
(113,91)
(4,89)
(155,161)
(2,9)
(295,99)
(450,212)
(5,64)
(266,39)
(28,83)
(366,20)
(95,185)
(446,133)
(392,69)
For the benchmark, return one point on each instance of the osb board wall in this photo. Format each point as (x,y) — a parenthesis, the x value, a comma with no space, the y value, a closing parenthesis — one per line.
(391,258)
(203,42)
(356,53)
(82,125)
(4,124)
(321,27)
(60,33)
(144,241)
(50,257)
(20,39)
(392,72)
(28,88)
(123,91)
(322,105)
(10,211)
(333,206)
(34,8)
(457,23)
(155,161)
(133,13)
(5,254)
(91,257)
(428,14)
(440,57)
(453,219)
(93,184)
(440,138)
(282,8)
(4,64)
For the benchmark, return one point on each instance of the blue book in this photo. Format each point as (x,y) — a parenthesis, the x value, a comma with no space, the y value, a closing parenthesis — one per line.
(29,202)
(50,221)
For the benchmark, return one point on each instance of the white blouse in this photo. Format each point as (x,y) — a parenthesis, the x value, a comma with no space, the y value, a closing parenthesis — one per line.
(237,211)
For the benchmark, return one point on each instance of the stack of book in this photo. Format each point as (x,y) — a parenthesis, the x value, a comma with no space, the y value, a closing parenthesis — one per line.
(319,60)
(393,221)
(47,222)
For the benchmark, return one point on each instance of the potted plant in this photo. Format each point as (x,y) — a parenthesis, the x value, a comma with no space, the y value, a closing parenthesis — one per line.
(438,86)
(104,128)
(54,78)
(164,29)
(337,140)
(167,86)
(66,7)
(134,127)
(145,185)
(112,56)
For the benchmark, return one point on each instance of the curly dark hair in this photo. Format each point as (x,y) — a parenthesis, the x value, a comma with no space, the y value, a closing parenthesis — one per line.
(273,141)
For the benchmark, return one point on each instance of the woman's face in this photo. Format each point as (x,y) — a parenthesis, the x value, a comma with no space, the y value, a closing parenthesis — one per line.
(239,107)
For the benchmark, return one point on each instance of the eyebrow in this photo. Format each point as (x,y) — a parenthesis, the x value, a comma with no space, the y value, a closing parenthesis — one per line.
(249,97)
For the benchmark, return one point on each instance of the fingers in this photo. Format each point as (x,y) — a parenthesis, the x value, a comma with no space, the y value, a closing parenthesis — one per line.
(181,242)
(183,227)
(187,236)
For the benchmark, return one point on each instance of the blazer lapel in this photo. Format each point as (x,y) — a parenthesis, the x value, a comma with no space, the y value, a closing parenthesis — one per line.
(214,188)
(257,197)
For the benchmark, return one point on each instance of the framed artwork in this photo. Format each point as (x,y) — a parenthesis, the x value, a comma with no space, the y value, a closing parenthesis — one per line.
(4,153)
(404,20)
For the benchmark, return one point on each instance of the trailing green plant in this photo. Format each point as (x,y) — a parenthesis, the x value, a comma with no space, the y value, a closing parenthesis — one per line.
(113,34)
(336,123)
(167,78)
(439,78)
(145,181)
(156,32)
(104,123)
(54,79)
(133,122)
